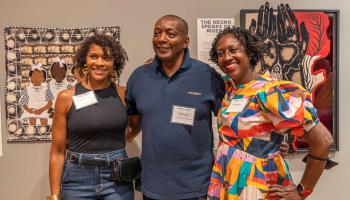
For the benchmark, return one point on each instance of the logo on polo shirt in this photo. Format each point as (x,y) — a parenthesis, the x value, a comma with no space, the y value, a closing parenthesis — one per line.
(194,93)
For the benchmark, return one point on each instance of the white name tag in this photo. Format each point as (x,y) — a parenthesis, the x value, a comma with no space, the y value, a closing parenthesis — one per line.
(84,100)
(237,105)
(183,115)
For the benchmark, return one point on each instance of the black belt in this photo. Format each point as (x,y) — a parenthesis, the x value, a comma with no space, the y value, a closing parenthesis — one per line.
(74,158)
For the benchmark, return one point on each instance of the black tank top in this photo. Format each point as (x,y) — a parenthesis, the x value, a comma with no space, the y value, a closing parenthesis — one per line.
(98,128)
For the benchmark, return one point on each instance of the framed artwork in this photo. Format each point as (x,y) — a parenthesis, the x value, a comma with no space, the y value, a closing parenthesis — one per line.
(301,46)
(39,63)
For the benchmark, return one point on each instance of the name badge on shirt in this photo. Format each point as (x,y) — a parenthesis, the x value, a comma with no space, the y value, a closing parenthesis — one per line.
(183,115)
(84,100)
(237,105)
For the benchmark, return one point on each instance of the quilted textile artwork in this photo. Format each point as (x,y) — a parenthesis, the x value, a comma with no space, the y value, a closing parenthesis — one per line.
(39,64)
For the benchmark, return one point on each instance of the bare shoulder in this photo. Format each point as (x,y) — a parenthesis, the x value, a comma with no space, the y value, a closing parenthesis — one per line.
(121,93)
(121,89)
(64,99)
(66,94)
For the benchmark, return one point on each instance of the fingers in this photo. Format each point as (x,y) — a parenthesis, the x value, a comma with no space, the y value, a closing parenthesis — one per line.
(129,138)
(259,29)
(271,23)
(293,20)
(299,93)
(304,36)
(289,31)
(281,29)
(130,135)
(276,187)
(266,19)
(276,191)
(148,61)
(284,149)
(284,145)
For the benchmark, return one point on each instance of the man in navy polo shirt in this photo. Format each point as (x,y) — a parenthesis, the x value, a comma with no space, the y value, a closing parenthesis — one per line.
(172,99)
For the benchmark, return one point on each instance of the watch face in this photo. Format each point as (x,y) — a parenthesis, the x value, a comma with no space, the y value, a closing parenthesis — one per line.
(300,188)
(302,191)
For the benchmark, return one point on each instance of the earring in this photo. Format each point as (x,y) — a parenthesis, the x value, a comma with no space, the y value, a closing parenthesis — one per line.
(112,76)
(85,71)
(118,77)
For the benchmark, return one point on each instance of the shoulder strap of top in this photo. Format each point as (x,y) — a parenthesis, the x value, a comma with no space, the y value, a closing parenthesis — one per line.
(79,89)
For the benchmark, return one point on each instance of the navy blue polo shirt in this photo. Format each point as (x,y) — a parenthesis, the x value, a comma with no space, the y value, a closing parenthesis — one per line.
(176,158)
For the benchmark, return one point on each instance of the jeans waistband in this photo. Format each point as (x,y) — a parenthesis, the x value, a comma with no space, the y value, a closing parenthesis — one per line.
(104,159)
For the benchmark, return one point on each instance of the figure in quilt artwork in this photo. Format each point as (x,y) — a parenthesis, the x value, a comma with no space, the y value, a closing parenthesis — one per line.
(54,49)
(77,75)
(59,74)
(36,99)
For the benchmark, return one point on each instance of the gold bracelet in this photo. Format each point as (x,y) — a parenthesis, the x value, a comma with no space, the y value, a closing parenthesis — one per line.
(54,197)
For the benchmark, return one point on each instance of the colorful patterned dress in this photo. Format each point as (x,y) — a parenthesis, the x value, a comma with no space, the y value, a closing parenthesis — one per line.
(252,121)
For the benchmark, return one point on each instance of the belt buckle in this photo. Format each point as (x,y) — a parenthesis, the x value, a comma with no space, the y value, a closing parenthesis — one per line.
(73,158)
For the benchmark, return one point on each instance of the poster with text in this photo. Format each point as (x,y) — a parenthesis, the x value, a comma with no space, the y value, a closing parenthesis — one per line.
(207,29)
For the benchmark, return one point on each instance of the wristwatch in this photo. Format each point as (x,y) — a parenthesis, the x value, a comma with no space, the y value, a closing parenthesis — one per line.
(303,191)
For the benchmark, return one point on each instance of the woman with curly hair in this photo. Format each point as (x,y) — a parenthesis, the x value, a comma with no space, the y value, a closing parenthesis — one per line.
(89,125)
(255,114)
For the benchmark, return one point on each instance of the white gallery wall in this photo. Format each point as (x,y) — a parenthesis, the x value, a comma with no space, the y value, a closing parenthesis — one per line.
(24,166)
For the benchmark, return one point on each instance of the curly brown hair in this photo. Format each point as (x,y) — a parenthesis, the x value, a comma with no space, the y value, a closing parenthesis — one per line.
(252,45)
(107,43)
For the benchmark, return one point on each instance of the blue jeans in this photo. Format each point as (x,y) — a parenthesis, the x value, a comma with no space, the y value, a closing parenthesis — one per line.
(83,181)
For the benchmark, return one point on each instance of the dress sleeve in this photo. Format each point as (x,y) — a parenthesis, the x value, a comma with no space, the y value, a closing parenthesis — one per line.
(48,95)
(24,99)
(288,106)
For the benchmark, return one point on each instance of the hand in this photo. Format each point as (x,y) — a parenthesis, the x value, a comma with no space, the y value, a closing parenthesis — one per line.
(285,43)
(31,110)
(38,111)
(148,61)
(284,193)
(299,94)
(133,128)
(284,148)
(130,135)
(290,39)
(265,29)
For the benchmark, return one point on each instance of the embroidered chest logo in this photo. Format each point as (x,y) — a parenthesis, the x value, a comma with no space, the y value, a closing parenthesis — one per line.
(194,93)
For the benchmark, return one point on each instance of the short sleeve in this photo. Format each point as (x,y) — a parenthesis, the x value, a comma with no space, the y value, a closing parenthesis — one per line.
(24,99)
(288,106)
(129,99)
(48,95)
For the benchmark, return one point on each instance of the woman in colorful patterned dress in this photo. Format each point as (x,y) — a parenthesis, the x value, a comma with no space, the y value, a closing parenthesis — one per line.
(256,112)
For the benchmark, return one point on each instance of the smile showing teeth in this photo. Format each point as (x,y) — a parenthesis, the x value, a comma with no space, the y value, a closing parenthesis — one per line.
(231,67)
(163,48)
(99,70)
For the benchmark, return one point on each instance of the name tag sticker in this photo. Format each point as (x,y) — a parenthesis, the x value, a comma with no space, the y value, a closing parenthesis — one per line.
(84,100)
(237,105)
(183,115)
